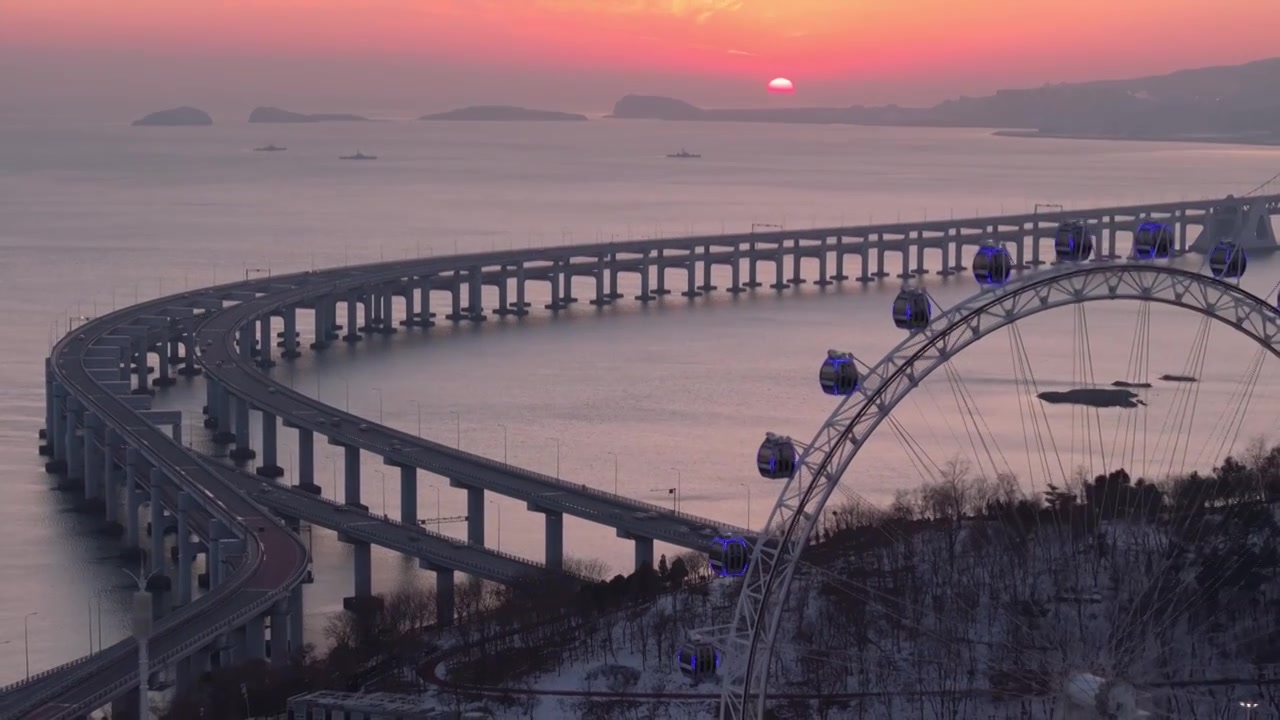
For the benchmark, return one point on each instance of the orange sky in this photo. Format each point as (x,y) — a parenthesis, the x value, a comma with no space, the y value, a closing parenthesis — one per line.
(968,45)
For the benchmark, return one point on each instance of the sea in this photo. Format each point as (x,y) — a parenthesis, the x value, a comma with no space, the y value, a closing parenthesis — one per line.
(666,402)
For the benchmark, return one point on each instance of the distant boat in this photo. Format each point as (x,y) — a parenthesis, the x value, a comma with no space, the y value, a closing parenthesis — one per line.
(270,148)
(358,156)
(684,154)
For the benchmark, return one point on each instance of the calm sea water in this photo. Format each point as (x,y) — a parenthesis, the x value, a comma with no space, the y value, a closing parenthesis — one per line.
(94,216)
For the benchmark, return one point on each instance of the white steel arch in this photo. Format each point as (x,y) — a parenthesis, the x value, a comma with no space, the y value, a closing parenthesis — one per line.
(748,642)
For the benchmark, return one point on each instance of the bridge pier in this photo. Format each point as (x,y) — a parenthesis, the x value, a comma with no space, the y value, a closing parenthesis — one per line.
(132,500)
(691,290)
(320,325)
(93,430)
(797,278)
(645,296)
(189,368)
(555,277)
(553,556)
(520,309)
(186,506)
(140,366)
(280,634)
(244,443)
(779,266)
(111,499)
(408,495)
(362,599)
(290,349)
(255,638)
(475,512)
(164,379)
(307,461)
(56,431)
(389,313)
(269,467)
(643,548)
(110,442)
(74,440)
(445,591)
(222,414)
(351,477)
(155,558)
(353,333)
(265,342)
(295,620)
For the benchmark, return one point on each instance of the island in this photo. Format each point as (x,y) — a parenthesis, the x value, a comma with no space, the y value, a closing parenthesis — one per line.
(177,117)
(267,114)
(503,113)
(1233,103)
(1093,397)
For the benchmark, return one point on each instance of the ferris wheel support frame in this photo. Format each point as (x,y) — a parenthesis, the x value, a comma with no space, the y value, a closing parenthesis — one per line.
(750,638)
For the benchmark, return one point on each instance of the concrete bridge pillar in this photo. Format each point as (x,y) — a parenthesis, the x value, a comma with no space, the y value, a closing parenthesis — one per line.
(946,255)
(522,306)
(613,293)
(1020,252)
(752,280)
(445,607)
(601,299)
(504,309)
(269,468)
(554,554)
(353,332)
(74,439)
(140,367)
(92,437)
(822,266)
(255,638)
(186,506)
(111,482)
(245,343)
(369,313)
(280,634)
(475,512)
(410,307)
(320,324)
(691,289)
(735,268)
(361,600)
(266,341)
(164,379)
(134,466)
(425,313)
(295,620)
(213,561)
(244,441)
(880,273)
(645,296)
(408,495)
(864,254)
(555,277)
(306,459)
(289,348)
(797,266)
(223,435)
(155,558)
(707,265)
(475,303)
(779,263)
(389,313)
(189,368)
(660,277)
(55,420)
(906,261)
(351,477)
(643,548)
(839,275)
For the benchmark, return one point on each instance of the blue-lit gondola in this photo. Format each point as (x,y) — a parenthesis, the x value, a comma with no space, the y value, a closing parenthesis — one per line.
(776,458)
(729,557)
(992,265)
(1073,241)
(698,660)
(838,374)
(1227,260)
(1152,241)
(912,309)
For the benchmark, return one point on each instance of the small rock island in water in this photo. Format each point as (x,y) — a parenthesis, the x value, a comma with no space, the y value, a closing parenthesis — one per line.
(502,113)
(1094,397)
(267,114)
(176,117)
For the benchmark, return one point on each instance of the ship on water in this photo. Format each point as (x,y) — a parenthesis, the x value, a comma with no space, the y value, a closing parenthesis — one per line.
(270,148)
(358,156)
(683,154)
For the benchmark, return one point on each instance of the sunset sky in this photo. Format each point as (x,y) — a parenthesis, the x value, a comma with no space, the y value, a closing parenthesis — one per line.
(583,54)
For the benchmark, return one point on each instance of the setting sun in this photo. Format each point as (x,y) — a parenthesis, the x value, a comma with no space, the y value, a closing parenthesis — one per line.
(781,86)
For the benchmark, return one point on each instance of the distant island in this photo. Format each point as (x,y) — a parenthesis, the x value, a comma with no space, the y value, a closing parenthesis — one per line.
(1093,397)
(268,114)
(176,117)
(1236,103)
(507,113)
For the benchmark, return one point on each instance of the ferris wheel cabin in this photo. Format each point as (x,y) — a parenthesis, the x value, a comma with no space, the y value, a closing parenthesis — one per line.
(992,265)
(912,309)
(776,458)
(1073,241)
(698,660)
(838,374)
(1153,241)
(1227,260)
(729,557)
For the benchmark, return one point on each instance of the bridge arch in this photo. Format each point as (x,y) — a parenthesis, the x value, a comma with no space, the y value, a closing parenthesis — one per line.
(748,641)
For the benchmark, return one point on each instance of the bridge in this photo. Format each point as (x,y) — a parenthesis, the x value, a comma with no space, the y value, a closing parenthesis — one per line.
(100,430)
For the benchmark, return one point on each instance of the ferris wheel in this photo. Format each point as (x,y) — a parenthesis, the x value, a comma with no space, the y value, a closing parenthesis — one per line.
(1113,595)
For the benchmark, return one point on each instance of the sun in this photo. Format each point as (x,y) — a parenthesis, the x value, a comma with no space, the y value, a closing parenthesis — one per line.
(781,86)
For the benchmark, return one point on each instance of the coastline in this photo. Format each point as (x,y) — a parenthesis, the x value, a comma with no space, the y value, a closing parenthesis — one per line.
(1251,140)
